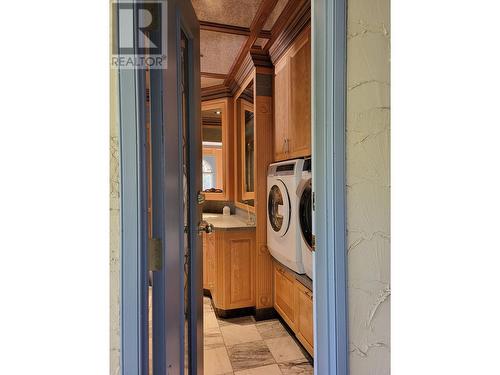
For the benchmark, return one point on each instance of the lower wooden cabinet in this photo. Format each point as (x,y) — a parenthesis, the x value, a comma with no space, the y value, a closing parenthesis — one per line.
(304,311)
(294,302)
(208,261)
(284,294)
(229,268)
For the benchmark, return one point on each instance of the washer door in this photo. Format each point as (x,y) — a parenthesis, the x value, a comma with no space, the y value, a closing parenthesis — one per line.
(278,208)
(305,214)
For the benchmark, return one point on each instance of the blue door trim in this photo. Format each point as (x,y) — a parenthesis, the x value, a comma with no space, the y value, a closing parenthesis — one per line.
(328,108)
(133,221)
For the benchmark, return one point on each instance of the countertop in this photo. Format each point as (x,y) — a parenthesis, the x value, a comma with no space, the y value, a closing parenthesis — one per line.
(222,222)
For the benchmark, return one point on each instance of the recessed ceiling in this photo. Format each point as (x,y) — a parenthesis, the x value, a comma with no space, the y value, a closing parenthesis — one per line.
(229,12)
(219,50)
(225,29)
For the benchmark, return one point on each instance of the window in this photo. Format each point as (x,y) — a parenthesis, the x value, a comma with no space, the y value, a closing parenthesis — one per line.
(209,172)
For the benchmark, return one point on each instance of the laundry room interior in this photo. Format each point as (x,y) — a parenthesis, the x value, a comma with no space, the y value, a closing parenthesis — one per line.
(256,147)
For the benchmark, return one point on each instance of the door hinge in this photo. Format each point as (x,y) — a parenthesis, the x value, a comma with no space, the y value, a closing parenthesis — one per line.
(313,243)
(314,201)
(155,254)
(201,197)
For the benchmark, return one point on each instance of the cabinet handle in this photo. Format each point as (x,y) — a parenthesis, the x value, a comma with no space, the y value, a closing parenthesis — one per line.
(283,149)
(287,146)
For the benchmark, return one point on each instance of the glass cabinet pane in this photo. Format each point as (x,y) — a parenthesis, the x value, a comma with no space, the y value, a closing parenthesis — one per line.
(249,151)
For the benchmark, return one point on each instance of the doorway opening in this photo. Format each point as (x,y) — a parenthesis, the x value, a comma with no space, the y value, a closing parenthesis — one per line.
(255,77)
(229,163)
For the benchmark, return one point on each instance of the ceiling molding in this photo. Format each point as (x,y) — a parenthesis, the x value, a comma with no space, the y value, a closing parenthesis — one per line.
(260,18)
(215,92)
(231,29)
(254,59)
(213,75)
(288,27)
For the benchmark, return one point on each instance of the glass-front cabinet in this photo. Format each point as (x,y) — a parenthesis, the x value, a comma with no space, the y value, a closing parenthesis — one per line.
(245,139)
(215,152)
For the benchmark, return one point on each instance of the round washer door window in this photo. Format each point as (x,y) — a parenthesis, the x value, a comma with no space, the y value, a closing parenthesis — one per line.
(305,214)
(278,206)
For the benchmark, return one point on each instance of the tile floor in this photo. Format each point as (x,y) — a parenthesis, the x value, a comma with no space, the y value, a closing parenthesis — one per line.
(242,346)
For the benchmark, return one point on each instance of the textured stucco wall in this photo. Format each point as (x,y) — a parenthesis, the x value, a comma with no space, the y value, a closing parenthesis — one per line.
(114,226)
(368,185)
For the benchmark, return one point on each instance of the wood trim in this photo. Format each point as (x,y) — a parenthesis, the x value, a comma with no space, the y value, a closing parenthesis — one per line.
(260,18)
(253,59)
(231,29)
(215,92)
(289,26)
(241,88)
(213,75)
(264,120)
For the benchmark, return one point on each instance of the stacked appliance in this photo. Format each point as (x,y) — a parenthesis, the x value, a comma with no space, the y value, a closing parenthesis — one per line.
(289,230)
(304,196)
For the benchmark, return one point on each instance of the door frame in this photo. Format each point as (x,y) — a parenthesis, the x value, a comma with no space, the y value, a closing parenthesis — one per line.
(329,34)
(133,217)
(330,286)
(168,224)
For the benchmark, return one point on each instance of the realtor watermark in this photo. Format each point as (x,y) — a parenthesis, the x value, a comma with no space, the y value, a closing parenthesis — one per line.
(139,27)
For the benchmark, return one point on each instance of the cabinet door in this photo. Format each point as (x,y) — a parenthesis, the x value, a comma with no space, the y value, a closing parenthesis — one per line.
(299,128)
(205,261)
(281,99)
(211,260)
(284,295)
(304,311)
(239,269)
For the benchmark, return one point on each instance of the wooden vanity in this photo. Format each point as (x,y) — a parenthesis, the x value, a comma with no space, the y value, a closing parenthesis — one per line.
(229,264)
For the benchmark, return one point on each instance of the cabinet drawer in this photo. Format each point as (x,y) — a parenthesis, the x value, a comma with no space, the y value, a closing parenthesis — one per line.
(284,294)
(304,313)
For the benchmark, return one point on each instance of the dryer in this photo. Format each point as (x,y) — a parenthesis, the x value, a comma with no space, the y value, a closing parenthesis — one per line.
(304,197)
(283,233)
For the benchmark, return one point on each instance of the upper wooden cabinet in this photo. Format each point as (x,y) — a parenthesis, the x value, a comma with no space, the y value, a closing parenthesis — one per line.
(292,100)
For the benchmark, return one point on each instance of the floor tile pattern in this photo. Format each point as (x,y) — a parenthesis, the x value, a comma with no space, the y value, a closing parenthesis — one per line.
(242,346)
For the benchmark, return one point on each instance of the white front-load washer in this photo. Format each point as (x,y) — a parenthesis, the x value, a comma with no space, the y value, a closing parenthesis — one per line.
(304,197)
(283,234)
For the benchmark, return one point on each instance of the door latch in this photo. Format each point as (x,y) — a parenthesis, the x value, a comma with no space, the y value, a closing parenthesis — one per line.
(155,254)
(204,226)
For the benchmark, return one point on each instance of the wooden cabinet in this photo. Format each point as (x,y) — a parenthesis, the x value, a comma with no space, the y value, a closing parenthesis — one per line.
(209,261)
(281,105)
(284,294)
(237,262)
(292,100)
(304,312)
(229,268)
(294,302)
